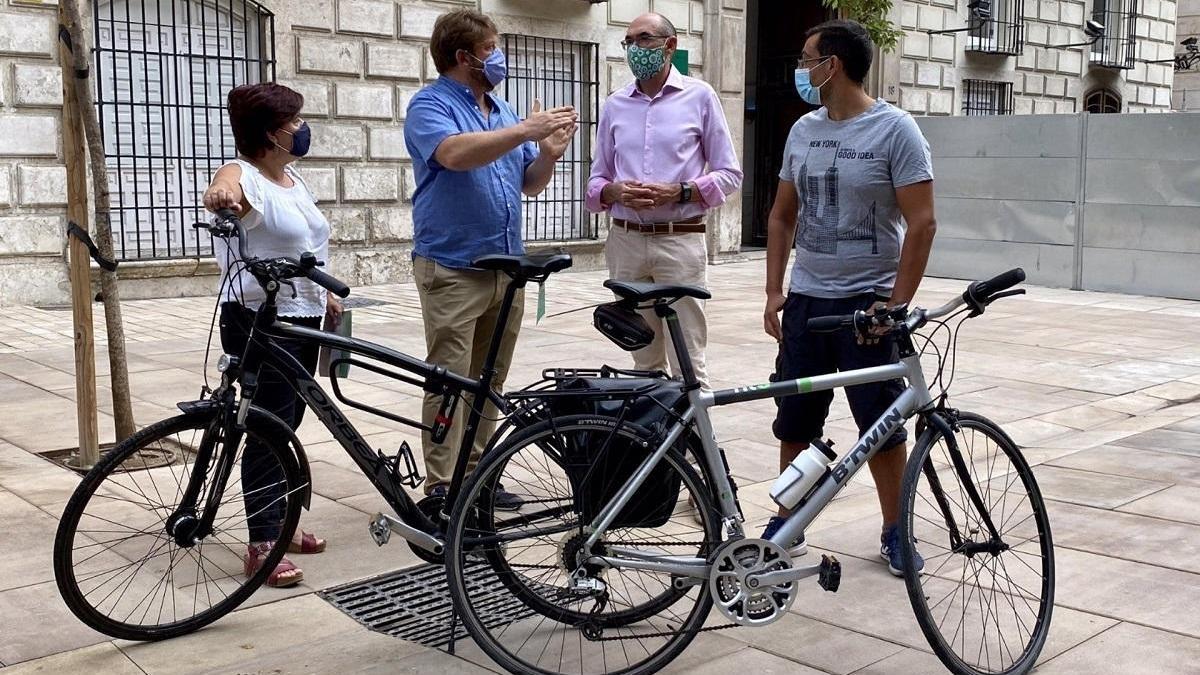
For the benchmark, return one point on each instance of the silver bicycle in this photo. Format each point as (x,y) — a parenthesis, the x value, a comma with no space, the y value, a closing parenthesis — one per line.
(631,529)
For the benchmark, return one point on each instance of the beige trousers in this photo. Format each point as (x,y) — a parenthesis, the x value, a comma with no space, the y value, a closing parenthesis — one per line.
(460,309)
(665,259)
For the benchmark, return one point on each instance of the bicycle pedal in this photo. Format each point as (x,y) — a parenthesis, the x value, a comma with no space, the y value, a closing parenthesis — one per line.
(379,529)
(830,576)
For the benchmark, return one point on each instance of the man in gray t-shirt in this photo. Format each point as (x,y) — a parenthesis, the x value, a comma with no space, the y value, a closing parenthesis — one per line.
(845,174)
(855,199)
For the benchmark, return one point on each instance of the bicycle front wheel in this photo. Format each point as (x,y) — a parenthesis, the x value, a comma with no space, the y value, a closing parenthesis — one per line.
(971,507)
(119,567)
(511,573)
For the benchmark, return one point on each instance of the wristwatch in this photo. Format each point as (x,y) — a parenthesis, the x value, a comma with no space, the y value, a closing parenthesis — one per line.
(685,193)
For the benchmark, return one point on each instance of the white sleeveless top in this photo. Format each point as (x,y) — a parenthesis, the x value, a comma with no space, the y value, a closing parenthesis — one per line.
(281,222)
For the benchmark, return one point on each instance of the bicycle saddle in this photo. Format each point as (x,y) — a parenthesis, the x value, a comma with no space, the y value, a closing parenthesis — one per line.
(524,266)
(642,291)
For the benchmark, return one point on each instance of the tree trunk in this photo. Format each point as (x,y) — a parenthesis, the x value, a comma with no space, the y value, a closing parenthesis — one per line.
(79,270)
(71,19)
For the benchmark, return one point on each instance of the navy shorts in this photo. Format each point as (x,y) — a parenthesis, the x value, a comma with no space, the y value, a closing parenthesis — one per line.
(801,417)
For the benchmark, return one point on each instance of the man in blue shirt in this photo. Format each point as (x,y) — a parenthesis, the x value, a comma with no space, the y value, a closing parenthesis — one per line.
(473,159)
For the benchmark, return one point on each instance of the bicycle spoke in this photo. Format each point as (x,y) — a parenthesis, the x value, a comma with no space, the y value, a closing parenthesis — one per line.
(128,506)
(532,565)
(987,617)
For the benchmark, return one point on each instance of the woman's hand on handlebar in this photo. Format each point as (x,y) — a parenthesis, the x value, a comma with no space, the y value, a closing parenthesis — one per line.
(225,190)
(220,197)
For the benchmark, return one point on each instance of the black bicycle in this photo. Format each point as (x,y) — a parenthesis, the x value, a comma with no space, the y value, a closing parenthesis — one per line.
(151,545)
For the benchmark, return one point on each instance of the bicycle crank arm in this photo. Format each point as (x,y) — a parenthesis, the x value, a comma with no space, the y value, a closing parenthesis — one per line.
(768,579)
(382,526)
(686,566)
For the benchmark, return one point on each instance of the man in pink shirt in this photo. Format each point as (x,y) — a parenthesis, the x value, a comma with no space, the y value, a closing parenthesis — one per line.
(663,158)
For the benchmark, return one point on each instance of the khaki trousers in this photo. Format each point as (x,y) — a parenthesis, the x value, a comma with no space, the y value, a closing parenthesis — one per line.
(460,309)
(665,259)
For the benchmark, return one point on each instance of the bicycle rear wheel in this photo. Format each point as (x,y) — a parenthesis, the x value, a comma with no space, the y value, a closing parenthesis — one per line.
(509,573)
(984,602)
(119,568)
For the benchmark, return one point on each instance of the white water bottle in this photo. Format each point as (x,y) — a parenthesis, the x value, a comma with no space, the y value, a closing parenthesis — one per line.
(802,474)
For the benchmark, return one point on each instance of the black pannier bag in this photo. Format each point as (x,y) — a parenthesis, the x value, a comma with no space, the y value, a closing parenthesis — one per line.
(599,463)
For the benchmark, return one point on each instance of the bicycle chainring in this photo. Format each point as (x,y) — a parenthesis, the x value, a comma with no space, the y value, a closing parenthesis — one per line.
(734,598)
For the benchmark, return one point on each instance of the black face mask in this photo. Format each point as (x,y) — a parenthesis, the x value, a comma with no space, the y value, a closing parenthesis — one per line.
(301,140)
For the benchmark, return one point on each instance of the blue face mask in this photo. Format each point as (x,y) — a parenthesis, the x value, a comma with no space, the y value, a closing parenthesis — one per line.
(301,140)
(494,67)
(808,91)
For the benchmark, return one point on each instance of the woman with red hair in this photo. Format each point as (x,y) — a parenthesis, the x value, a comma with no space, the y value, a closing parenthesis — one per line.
(281,218)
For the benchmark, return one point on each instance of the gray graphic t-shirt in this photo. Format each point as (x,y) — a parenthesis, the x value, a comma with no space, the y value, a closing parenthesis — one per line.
(848,229)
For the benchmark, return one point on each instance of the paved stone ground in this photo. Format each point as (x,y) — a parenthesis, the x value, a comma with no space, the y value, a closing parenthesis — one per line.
(1102,390)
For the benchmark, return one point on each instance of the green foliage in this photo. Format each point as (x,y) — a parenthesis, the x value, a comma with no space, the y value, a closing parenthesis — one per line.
(873,14)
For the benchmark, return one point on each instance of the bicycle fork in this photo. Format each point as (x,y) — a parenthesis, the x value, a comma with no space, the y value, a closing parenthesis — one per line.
(187,526)
(957,544)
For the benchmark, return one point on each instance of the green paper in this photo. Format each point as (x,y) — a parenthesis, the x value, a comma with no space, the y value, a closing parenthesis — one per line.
(541,310)
(680,60)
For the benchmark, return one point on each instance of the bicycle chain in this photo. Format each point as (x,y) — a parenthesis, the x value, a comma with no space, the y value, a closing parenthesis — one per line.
(667,633)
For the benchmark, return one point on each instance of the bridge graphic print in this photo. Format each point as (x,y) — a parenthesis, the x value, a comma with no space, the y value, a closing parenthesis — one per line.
(819,226)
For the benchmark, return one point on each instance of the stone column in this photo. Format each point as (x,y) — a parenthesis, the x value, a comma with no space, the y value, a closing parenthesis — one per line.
(725,50)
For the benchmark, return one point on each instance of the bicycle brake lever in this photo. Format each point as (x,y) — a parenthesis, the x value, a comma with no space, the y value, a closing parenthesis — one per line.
(1006,294)
(291,284)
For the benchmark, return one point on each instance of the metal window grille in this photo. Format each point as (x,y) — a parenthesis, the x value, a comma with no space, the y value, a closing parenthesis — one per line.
(986,97)
(1115,49)
(558,73)
(163,70)
(1102,101)
(1003,33)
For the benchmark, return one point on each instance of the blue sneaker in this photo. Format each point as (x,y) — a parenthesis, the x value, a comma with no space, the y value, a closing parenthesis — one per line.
(889,550)
(798,547)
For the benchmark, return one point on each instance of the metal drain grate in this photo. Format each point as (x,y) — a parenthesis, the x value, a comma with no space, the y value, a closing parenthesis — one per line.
(414,604)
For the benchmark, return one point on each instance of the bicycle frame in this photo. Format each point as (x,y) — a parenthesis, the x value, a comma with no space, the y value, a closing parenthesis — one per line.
(413,525)
(915,399)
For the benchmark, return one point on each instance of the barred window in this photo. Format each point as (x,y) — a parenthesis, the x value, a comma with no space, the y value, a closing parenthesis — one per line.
(1102,101)
(987,97)
(557,72)
(1115,48)
(1001,33)
(163,70)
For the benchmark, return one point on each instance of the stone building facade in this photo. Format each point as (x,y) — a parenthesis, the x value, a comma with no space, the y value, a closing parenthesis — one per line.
(358,62)
(1185,95)
(1045,78)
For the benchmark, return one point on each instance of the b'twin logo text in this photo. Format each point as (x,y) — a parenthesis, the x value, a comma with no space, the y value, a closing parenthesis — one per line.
(843,470)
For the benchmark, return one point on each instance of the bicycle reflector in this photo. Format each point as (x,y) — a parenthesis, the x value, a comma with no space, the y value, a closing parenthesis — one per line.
(623,325)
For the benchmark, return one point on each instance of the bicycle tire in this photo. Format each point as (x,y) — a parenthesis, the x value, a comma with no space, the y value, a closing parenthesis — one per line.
(924,513)
(641,612)
(103,478)
(459,553)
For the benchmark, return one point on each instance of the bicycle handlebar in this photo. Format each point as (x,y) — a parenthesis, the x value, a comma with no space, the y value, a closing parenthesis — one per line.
(1000,282)
(328,282)
(981,293)
(228,224)
(978,296)
(830,324)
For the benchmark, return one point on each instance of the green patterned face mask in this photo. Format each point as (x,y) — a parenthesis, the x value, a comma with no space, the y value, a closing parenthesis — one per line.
(645,63)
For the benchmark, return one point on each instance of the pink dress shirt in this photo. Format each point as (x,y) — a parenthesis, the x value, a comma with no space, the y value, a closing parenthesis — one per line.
(666,139)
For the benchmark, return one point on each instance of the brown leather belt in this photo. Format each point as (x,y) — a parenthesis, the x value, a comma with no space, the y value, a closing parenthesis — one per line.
(690,225)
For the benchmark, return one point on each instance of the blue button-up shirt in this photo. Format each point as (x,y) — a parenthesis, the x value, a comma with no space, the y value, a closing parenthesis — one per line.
(461,215)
